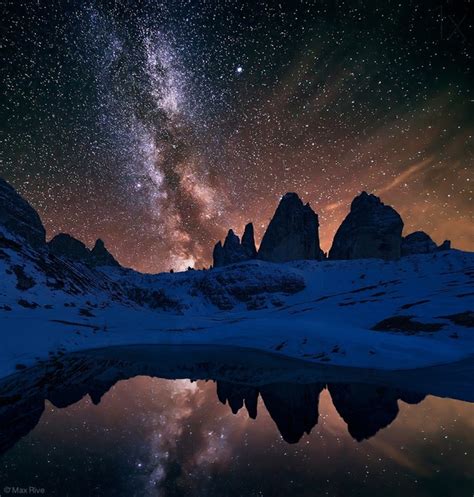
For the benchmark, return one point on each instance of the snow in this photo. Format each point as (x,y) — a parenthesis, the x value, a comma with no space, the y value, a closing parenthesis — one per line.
(321,312)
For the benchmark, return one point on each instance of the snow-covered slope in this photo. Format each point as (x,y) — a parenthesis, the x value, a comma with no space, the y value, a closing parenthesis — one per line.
(365,313)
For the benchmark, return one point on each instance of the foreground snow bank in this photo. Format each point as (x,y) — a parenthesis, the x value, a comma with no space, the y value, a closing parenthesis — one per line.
(324,312)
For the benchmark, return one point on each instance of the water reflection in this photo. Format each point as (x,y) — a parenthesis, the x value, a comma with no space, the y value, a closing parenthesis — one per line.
(99,435)
(294,408)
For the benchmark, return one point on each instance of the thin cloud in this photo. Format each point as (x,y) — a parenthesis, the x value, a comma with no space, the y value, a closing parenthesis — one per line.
(403,176)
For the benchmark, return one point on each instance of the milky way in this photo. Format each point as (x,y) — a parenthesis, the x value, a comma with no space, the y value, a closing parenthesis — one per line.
(158,126)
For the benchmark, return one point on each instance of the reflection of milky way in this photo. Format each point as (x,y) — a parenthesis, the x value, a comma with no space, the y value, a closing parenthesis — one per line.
(157,127)
(160,437)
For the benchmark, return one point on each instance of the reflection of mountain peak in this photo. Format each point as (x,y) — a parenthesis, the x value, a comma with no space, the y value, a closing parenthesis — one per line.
(292,406)
(367,408)
(237,395)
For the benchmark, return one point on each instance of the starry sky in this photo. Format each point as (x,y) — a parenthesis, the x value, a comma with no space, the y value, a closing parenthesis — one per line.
(157,126)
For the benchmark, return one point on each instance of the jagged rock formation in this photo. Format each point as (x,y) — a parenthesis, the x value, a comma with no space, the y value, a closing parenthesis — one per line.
(417,243)
(18,217)
(293,407)
(420,242)
(292,233)
(233,251)
(446,245)
(370,230)
(368,408)
(236,395)
(100,256)
(64,245)
(248,242)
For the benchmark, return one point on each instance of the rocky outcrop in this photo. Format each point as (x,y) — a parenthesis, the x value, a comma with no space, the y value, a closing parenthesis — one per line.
(370,230)
(237,395)
(292,233)
(420,242)
(368,408)
(18,217)
(233,250)
(248,242)
(446,245)
(64,245)
(100,256)
(293,407)
(252,283)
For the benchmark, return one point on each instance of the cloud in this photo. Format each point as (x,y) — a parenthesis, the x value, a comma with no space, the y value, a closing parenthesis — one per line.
(405,175)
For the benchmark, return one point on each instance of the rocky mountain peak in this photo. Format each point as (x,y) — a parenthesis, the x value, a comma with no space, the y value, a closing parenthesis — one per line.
(420,242)
(64,245)
(100,256)
(248,241)
(233,250)
(292,233)
(19,217)
(231,241)
(370,230)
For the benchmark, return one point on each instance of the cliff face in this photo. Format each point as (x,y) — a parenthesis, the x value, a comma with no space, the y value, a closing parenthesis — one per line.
(370,230)
(18,217)
(64,245)
(233,250)
(292,233)
(420,242)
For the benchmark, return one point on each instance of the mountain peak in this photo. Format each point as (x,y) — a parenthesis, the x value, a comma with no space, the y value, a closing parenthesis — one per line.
(19,217)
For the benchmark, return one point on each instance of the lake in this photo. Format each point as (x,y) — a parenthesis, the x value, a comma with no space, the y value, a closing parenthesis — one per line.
(210,421)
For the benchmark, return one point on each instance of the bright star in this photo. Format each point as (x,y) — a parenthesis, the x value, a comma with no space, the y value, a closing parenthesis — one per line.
(239,70)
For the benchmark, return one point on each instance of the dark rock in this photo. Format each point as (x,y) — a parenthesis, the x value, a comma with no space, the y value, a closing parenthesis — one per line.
(247,283)
(248,242)
(236,395)
(18,217)
(293,407)
(370,230)
(465,318)
(446,245)
(64,245)
(155,299)
(233,251)
(405,324)
(23,281)
(218,255)
(9,244)
(100,256)
(86,313)
(292,233)
(417,243)
(368,408)
(27,305)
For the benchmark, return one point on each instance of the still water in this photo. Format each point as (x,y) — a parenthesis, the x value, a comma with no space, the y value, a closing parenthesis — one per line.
(79,429)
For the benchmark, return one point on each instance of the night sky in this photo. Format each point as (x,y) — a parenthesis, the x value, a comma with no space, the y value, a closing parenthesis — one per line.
(158,126)
(154,437)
